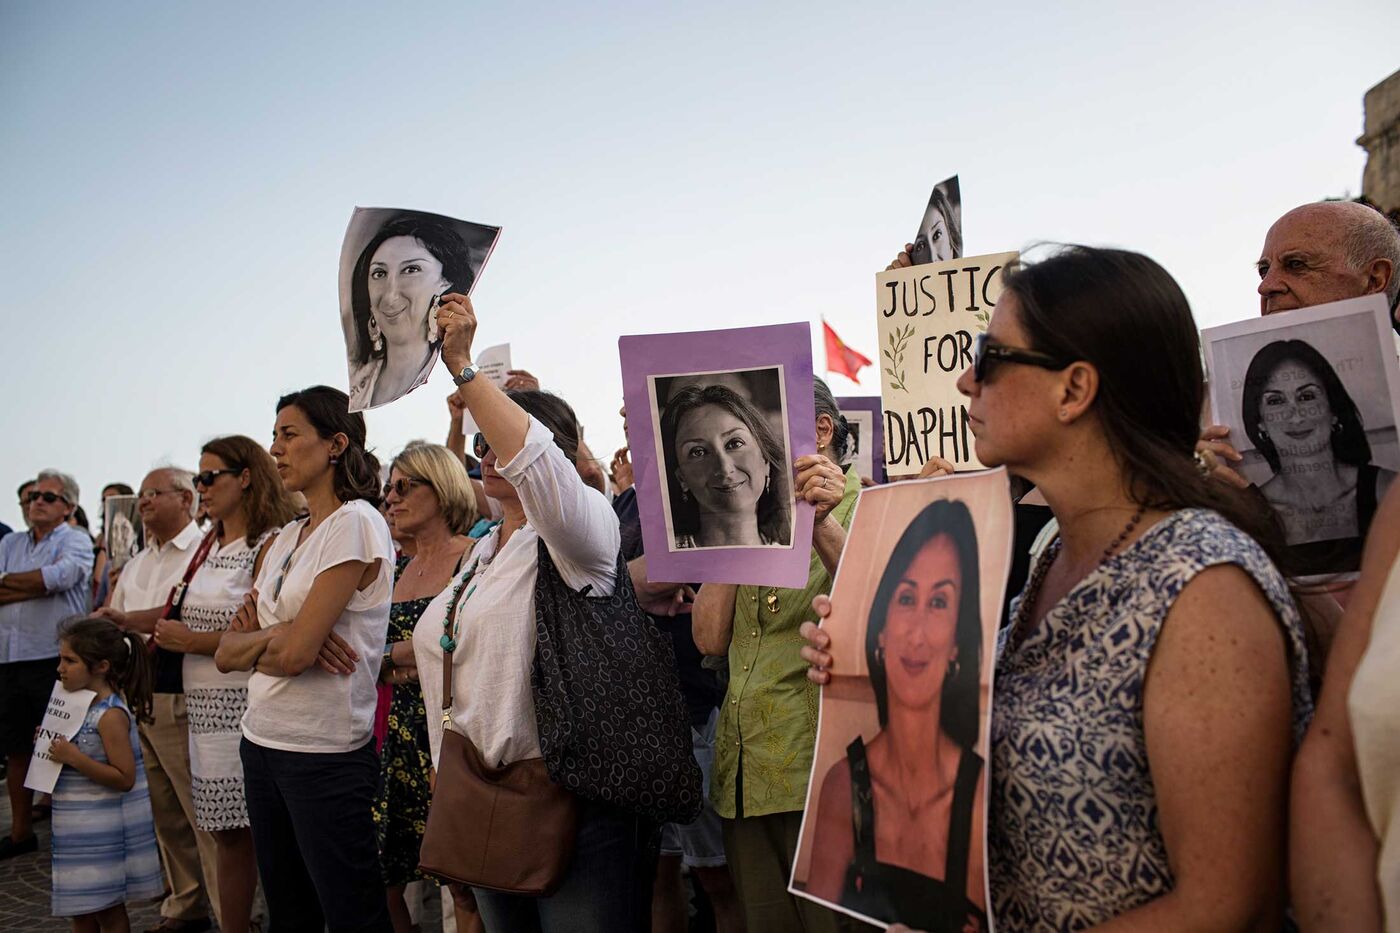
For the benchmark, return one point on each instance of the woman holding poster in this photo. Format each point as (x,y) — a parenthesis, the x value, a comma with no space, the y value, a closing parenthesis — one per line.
(895,835)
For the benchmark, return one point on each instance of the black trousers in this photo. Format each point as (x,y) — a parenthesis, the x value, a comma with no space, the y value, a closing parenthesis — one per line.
(313,831)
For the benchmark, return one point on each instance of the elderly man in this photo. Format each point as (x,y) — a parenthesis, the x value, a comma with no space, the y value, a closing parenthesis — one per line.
(167,504)
(44,576)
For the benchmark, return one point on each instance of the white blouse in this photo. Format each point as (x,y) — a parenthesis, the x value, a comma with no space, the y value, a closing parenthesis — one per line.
(1374,706)
(216,591)
(316,711)
(491,701)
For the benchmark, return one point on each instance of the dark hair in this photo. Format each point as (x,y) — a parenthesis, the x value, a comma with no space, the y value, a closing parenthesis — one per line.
(438,237)
(840,428)
(939,200)
(1349,444)
(772,509)
(1124,314)
(25,485)
(80,517)
(266,502)
(122,489)
(962,688)
(328,410)
(96,640)
(554,413)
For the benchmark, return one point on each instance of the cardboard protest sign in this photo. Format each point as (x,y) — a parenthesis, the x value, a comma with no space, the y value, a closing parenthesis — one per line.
(494,363)
(928,317)
(395,266)
(62,719)
(1311,398)
(866,446)
(715,421)
(122,530)
(940,229)
(915,609)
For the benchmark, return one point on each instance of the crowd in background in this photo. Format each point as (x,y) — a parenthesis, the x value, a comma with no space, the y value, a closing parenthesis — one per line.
(1184,736)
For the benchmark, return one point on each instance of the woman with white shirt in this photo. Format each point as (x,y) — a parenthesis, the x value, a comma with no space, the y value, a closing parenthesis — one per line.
(527,446)
(312,631)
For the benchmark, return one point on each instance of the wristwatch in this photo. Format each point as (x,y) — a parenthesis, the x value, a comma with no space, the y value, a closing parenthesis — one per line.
(467,374)
(388,663)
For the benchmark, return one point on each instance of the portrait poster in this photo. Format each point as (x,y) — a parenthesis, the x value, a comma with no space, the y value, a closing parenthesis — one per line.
(123,533)
(915,608)
(939,237)
(928,317)
(62,719)
(727,413)
(395,267)
(866,447)
(1311,398)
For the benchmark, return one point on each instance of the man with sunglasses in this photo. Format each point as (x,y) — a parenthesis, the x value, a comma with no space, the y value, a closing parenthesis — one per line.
(44,579)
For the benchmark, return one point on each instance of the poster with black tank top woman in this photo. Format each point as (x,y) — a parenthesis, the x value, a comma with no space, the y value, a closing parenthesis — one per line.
(1311,398)
(395,267)
(895,823)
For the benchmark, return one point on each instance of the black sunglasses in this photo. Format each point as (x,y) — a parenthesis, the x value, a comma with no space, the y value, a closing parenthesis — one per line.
(480,447)
(49,497)
(986,355)
(208,476)
(402,485)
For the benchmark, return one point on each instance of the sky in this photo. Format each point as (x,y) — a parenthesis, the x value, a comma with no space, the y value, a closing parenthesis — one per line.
(175,180)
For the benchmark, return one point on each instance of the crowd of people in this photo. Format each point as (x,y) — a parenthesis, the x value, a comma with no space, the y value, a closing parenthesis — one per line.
(1184,735)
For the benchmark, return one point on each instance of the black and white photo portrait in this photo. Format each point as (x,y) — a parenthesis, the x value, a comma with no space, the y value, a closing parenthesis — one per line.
(1315,405)
(395,267)
(940,231)
(725,450)
(122,529)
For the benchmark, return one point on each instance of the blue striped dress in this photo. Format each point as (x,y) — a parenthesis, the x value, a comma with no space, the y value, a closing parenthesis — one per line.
(104,841)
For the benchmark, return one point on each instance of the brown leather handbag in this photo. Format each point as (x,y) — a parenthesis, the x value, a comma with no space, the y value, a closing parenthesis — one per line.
(508,829)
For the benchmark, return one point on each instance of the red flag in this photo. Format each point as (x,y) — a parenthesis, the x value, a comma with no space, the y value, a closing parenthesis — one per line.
(841,358)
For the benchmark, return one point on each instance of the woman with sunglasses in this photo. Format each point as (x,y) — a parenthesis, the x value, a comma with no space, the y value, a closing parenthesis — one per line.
(1152,684)
(312,630)
(239,488)
(431,507)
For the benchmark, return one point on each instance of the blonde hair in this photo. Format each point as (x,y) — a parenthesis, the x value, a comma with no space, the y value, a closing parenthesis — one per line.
(440,468)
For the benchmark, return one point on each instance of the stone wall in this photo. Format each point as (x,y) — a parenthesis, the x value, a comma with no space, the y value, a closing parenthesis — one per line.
(1380,183)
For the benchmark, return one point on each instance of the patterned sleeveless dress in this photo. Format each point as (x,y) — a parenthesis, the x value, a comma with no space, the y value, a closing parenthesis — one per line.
(1073,835)
(104,840)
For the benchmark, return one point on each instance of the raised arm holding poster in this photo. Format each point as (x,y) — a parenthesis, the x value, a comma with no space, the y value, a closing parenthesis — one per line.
(928,316)
(395,267)
(889,836)
(1312,398)
(725,414)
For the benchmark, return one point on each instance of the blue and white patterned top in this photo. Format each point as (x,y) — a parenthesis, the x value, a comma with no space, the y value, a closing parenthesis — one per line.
(1073,836)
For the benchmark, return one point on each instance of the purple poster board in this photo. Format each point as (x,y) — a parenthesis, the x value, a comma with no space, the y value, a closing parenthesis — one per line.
(716,419)
(866,448)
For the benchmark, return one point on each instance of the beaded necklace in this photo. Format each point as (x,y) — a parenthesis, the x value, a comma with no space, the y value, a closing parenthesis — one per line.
(450,621)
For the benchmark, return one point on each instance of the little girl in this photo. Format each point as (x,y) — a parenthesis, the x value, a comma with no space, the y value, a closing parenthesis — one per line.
(104,841)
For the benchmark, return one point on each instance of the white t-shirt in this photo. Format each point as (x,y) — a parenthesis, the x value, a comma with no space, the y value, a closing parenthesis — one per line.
(491,700)
(316,711)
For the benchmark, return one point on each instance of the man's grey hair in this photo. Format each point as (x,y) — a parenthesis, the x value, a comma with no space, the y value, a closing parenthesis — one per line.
(182,479)
(1372,236)
(70,485)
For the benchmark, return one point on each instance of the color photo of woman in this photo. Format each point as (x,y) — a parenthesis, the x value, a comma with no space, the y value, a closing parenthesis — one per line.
(895,816)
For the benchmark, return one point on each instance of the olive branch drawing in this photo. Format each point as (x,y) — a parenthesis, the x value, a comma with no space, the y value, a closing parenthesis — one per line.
(984,317)
(899,342)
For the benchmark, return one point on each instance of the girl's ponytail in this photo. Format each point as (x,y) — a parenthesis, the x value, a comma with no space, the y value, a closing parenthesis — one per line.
(128,665)
(134,677)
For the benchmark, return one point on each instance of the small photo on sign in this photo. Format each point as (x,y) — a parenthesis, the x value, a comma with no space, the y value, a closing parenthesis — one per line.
(915,609)
(723,440)
(865,448)
(1311,399)
(395,267)
(122,531)
(940,229)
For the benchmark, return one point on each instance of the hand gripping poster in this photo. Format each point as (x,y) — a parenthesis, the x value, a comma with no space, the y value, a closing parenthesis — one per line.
(895,822)
(1311,398)
(716,419)
(928,317)
(395,267)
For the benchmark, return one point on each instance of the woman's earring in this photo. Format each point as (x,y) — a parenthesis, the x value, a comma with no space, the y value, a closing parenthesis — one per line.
(433,332)
(880,655)
(685,494)
(954,667)
(1336,424)
(376,339)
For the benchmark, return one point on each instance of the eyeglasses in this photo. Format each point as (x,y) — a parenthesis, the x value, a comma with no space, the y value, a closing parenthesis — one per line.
(479,446)
(402,485)
(145,494)
(207,478)
(986,355)
(49,497)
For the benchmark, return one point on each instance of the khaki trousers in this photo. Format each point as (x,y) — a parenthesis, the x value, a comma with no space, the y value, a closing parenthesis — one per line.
(188,853)
(760,851)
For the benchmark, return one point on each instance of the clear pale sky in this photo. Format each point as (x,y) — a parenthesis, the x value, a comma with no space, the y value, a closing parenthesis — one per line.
(175,179)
